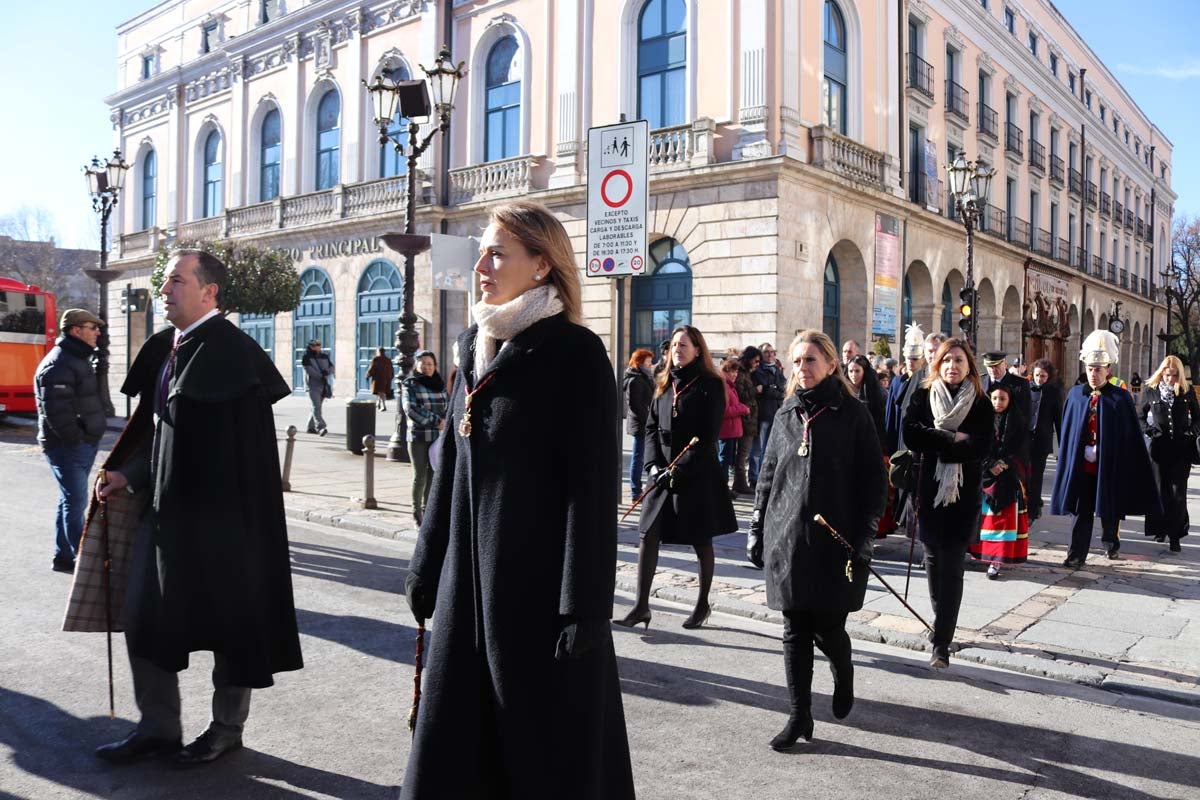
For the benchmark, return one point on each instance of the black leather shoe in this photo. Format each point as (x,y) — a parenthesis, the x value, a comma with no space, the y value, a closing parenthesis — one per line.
(1113,553)
(940,658)
(63,565)
(1175,547)
(1073,563)
(209,746)
(135,747)
(799,725)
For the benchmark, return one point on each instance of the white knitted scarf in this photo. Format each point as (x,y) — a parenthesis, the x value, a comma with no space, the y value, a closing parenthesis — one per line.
(948,414)
(503,322)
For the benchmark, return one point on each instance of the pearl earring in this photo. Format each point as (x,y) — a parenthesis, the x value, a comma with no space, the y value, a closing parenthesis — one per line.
(537,277)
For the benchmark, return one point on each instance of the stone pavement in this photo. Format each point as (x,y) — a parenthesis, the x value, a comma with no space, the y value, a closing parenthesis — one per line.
(1132,625)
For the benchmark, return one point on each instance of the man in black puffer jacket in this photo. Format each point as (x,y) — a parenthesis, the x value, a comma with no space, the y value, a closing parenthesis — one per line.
(70,423)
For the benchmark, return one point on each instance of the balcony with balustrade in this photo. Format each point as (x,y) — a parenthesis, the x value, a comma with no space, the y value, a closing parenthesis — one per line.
(1129,219)
(989,122)
(1098,268)
(1013,140)
(492,180)
(1044,243)
(1110,273)
(1063,252)
(1057,169)
(1139,229)
(992,222)
(1124,278)
(843,156)
(1092,194)
(1118,216)
(958,102)
(1018,231)
(1105,204)
(1037,156)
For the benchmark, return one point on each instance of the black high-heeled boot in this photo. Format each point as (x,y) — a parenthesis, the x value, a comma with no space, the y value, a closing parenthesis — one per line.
(843,687)
(797,666)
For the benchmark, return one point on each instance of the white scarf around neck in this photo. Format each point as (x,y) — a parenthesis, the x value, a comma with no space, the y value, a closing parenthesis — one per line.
(503,322)
(948,415)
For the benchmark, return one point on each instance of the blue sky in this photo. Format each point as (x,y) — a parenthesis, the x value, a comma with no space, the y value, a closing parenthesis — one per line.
(58,119)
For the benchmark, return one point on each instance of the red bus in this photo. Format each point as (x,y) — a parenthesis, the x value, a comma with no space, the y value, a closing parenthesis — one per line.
(28,330)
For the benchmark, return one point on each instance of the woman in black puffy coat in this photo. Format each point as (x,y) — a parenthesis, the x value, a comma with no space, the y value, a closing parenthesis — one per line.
(822,458)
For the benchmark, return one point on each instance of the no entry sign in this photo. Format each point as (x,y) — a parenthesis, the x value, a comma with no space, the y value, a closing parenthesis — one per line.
(617,199)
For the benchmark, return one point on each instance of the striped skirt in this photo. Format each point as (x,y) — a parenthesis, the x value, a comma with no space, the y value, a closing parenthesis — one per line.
(1003,533)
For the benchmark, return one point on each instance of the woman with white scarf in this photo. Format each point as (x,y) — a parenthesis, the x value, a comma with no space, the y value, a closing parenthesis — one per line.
(949,422)
(516,557)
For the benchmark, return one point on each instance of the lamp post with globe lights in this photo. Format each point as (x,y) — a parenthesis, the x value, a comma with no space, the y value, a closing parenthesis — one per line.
(970,183)
(105,179)
(412,100)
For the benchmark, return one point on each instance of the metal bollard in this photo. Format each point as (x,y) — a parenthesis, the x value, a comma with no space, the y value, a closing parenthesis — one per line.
(368,499)
(287,458)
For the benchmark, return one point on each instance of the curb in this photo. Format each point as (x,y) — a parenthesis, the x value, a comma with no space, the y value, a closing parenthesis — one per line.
(1051,668)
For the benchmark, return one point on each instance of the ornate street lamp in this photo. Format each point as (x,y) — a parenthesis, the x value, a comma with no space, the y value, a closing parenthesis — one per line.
(105,179)
(970,185)
(1165,335)
(412,99)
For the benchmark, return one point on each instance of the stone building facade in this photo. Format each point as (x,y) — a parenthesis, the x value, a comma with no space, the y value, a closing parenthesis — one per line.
(797,169)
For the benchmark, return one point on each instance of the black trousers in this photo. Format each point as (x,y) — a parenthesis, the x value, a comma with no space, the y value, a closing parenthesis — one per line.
(1172,480)
(1081,528)
(801,630)
(1037,471)
(944,566)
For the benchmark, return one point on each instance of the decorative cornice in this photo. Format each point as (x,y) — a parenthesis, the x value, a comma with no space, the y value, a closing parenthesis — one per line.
(215,82)
(148,110)
(955,38)
(918,9)
(1035,105)
(1012,86)
(501,19)
(985,63)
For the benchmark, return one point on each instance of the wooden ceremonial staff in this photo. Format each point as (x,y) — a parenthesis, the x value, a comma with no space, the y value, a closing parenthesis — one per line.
(103,511)
(416,703)
(695,441)
(821,521)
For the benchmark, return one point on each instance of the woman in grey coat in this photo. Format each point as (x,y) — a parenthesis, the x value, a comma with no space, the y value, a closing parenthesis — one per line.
(822,458)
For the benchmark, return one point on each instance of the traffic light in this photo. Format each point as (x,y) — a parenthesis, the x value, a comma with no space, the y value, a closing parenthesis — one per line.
(134,301)
(966,310)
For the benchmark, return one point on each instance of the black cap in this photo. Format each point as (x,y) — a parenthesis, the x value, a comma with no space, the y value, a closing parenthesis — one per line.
(994,357)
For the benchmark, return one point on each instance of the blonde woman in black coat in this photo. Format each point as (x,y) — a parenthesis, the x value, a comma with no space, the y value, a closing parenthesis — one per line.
(688,503)
(822,458)
(950,423)
(1171,420)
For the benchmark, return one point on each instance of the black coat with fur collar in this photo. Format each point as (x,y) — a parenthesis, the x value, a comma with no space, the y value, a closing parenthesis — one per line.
(519,538)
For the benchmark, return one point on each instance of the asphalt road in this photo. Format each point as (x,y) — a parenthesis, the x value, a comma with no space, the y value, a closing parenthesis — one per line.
(700,705)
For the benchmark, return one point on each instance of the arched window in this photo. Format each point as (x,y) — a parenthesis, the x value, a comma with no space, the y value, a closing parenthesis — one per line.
(391,161)
(835,81)
(947,306)
(313,319)
(662,299)
(213,175)
(329,118)
(662,63)
(831,322)
(149,178)
(502,132)
(906,313)
(270,150)
(380,301)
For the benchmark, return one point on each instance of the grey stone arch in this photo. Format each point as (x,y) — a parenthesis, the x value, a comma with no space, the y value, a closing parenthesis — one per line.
(1010,323)
(947,319)
(917,303)
(848,270)
(987,333)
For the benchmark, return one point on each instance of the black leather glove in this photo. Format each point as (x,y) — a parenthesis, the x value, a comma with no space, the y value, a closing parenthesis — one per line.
(421,598)
(677,480)
(865,551)
(660,478)
(580,637)
(754,539)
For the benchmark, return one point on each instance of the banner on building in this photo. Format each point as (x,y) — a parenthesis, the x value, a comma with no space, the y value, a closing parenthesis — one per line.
(887,276)
(1047,305)
(932,199)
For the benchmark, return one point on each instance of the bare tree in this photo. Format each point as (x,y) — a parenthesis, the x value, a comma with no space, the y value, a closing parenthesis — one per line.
(28,252)
(1183,291)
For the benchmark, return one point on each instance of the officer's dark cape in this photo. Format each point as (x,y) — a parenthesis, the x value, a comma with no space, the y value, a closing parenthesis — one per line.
(221,578)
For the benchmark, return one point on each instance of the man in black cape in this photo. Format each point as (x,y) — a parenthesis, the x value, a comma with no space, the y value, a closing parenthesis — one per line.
(210,567)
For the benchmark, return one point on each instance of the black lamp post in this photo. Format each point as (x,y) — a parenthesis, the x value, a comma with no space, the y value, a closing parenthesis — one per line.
(412,98)
(105,180)
(969,186)
(1165,336)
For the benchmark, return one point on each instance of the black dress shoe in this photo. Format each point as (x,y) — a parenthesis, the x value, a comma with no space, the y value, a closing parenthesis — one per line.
(63,565)
(940,658)
(1072,562)
(1175,547)
(209,746)
(137,746)
(1113,553)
